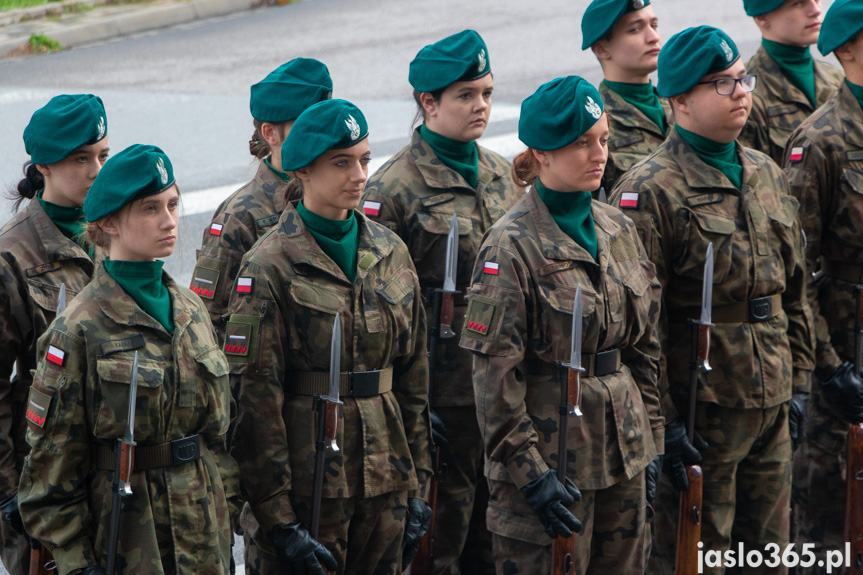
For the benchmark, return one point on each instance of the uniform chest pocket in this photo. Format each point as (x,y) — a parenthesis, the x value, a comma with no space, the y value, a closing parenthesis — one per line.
(310,321)
(555,317)
(392,304)
(850,203)
(111,402)
(428,242)
(698,231)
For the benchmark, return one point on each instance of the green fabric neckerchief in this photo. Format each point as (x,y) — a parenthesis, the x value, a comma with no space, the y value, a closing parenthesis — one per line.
(282,175)
(143,282)
(857,91)
(723,157)
(643,97)
(571,212)
(797,65)
(70,221)
(340,239)
(462,157)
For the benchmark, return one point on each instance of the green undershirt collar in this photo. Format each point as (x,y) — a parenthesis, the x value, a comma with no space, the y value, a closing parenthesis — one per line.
(571,212)
(462,157)
(282,175)
(70,221)
(857,91)
(143,282)
(723,157)
(338,238)
(643,97)
(797,65)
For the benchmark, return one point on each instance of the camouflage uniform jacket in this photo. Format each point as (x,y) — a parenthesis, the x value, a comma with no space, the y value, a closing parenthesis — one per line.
(632,135)
(778,106)
(238,223)
(518,325)
(683,204)
(418,196)
(827,179)
(179,512)
(35,258)
(282,325)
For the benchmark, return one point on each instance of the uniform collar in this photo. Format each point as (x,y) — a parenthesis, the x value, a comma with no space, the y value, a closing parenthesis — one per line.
(437,175)
(630,117)
(272,186)
(699,174)
(54,243)
(773,81)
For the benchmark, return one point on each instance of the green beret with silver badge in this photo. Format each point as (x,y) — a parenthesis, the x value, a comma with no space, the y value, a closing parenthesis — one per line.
(289,89)
(461,57)
(63,125)
(601,16)
(843,21)
(559,113)
(137,172)
(328,125)
(760,7)
(690,55)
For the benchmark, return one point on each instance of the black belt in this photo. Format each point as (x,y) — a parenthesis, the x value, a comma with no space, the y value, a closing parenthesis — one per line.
(595,364)
(751,311)
(351,383)
(172,454)
(843,271)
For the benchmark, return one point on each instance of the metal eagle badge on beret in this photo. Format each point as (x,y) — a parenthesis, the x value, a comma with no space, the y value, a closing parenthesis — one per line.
(163,173)
(637,4)
(593,108)
(482,61)
(100,126)
(729,53)
(353,126)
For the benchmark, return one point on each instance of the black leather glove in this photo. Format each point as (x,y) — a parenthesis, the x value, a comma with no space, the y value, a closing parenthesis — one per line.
(93,570)
(549,499)
(797,417)
(438,429)
(11,513)
(419,521)
(679,452)
(651,477)
(294,543)
(844,390)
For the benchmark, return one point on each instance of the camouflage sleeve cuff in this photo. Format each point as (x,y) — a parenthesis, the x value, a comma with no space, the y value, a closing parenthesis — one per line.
(422,492)
(274,512)
(76,555)
(669,411)
(527,466)
(801,380)
(659,439)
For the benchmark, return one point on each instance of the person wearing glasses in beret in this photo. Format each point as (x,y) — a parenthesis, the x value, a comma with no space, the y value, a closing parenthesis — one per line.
(247,214)
(791,84)
(701,187)
(41,248)
(824,163)
(325,260)
(519,326)
(441,172)
(176,519)
(624,36)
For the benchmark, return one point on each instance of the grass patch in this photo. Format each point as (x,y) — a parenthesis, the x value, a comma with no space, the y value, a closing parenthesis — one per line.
(43,43)
(13,4)
(79,8)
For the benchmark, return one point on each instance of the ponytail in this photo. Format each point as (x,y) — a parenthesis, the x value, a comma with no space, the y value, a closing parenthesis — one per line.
(525,168)
(32,182)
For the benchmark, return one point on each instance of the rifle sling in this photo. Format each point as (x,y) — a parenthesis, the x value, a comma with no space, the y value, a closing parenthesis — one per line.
(595,364)
(351,383)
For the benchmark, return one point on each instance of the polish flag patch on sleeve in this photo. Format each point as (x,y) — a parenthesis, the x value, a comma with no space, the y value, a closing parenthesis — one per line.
(371,208)
(244,285)
(216,229)
(56,355)
(796,154)
(629,200)
(490,268)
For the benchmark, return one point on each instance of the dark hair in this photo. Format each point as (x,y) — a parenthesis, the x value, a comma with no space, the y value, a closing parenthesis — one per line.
(421,113)
(294,190)
(33,182)
(525,168)
(258,146)
(97,236)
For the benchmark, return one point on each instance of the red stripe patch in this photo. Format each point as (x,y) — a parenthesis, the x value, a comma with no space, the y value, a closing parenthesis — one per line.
(203,292)
(476,326)
(238,349)
(35,418)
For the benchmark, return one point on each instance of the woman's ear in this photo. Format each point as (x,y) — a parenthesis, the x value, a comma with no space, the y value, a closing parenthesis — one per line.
(108,224)
(271,134)
(429,104)
(541,156)
(303,174)
(43,169)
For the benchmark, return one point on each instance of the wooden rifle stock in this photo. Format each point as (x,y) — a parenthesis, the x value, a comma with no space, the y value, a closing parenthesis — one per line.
(124,459)
(854,498)
(423,562)
(41,560)
(689,523)
(563,548)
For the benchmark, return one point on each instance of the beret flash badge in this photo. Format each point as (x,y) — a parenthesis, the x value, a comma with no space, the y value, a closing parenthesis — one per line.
(163,173)
(637,4)
(482,61)
(353,126)
(593,108)
(729,53)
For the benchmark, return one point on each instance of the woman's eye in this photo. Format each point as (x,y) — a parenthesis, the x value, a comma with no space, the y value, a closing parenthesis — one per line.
(366,161)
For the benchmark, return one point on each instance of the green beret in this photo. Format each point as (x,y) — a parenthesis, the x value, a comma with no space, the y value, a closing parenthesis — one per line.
(63,125)
(558,113)
(136,172)
(289,89)
(458,58)
(843,21)
(759,7)
(328,125)
(692,54)
(601,16)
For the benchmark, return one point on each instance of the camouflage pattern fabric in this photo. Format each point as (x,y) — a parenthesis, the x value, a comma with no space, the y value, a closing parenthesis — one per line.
(418,196)
(282,310)
(519,324)
(35,259)
(615,535)
(177,519)
(632,135)
(747,486)
(824,163)
(238,223)
(778,106)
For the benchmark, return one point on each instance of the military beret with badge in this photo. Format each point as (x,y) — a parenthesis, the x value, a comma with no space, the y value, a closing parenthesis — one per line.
(761,7)
(843,21)
(690,55)
(461,57)
(63,125)
(559,113)
(288,90)
(137,172)
(328,125)
(601,16)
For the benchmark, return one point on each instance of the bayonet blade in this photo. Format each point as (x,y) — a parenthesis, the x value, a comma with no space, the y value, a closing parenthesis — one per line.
(129,437)
(575,349)
(335,359)
(61,299)
(451,256)
(707,287)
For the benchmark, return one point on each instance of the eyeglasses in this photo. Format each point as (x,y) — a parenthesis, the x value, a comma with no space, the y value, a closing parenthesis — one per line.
(726,86)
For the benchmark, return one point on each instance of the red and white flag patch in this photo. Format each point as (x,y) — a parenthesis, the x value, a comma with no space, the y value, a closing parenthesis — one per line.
(244,285)
(56,355)
(796,154)
(629,200)
(371,208)
(216,229)
(490,268)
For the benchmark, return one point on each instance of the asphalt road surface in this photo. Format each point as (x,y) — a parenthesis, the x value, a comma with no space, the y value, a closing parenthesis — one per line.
(186,88)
